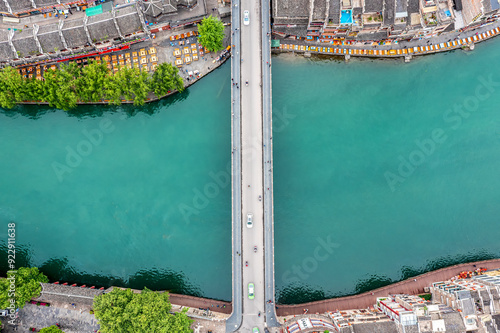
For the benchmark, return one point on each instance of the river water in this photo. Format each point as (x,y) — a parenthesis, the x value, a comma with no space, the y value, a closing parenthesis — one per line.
(382,170)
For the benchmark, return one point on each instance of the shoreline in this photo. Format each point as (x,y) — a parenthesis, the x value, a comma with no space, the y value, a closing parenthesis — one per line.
(148,100)
(415,285)
(406,49)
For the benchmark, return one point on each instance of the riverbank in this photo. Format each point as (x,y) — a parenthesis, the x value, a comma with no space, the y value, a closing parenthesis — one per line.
(67,307)
(179,47)
(384,49)
(412,286)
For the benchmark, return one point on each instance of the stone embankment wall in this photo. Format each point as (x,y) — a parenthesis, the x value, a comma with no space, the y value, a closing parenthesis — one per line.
(412,286)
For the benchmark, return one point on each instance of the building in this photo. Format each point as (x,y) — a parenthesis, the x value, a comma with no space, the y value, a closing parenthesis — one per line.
(405,317)
(95,29)
(335,21)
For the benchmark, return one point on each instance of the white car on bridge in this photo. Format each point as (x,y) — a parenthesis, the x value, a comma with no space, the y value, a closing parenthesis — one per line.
(246,17)
(249,220)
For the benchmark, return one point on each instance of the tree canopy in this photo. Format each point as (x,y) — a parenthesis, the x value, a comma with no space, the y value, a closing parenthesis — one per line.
(51,329)
(166,78)
(125,311)
(10,87)
(27,285)
(211,32)
(65,87)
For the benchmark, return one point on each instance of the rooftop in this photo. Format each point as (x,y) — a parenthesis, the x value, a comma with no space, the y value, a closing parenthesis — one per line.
(291,8)
(379,327)
(74,33)
(49,38)
(372,6)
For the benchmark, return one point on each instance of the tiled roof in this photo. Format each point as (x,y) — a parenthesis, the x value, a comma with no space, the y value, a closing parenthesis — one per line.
(49,38)
(128,20)
(374,6)
(74,33)
(389,7)
(453,322)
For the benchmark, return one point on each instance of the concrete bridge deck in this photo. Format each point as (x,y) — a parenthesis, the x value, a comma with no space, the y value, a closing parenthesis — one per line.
(252,188)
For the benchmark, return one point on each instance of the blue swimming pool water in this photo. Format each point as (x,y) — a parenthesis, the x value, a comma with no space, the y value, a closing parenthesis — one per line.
(346,17)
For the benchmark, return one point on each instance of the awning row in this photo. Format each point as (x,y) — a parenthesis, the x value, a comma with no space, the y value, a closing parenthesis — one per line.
(394,52)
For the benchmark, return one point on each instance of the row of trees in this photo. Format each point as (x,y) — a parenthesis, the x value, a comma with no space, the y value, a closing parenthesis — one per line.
(63,88)
(121,310)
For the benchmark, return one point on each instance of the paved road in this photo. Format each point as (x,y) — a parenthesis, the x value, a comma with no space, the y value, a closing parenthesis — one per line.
(234,322)
(252,167)
(271,320)
(252,104)
(252,115)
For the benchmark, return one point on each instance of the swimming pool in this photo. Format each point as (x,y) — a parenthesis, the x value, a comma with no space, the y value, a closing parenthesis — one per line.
(346,16)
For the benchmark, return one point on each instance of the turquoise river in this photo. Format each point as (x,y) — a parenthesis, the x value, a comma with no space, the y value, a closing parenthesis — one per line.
(382,170)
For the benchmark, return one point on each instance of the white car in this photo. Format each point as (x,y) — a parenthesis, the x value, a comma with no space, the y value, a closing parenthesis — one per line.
(249,220)
(246,17)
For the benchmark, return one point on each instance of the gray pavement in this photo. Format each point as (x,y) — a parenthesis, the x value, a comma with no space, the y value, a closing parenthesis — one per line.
(234,322)
(38,317)
(252,166)
(271,320)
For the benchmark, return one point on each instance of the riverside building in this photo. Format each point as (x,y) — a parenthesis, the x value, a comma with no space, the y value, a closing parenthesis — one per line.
(33,31)
(337,21)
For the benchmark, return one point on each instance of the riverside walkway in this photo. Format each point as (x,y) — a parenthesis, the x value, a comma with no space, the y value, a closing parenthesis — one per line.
(409,286)
(252,190)
(406,49)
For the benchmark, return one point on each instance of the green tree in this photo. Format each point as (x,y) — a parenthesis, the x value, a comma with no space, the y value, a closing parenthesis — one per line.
(149,312)
(129,84)
(27,285)
(60,87)
(139,86)
(113,89)
(211,32)
(166,78)
(11,83)
(91,83)
(51,329)
(33,90)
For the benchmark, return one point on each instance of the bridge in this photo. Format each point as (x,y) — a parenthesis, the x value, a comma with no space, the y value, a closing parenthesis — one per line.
(252,177)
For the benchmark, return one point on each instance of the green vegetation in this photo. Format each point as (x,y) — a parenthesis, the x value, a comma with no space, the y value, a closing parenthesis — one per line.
(65,87)
(166,78)
(427,297)
(124,311)
(51,329)
(11,84)
(211,32)
(27,285)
